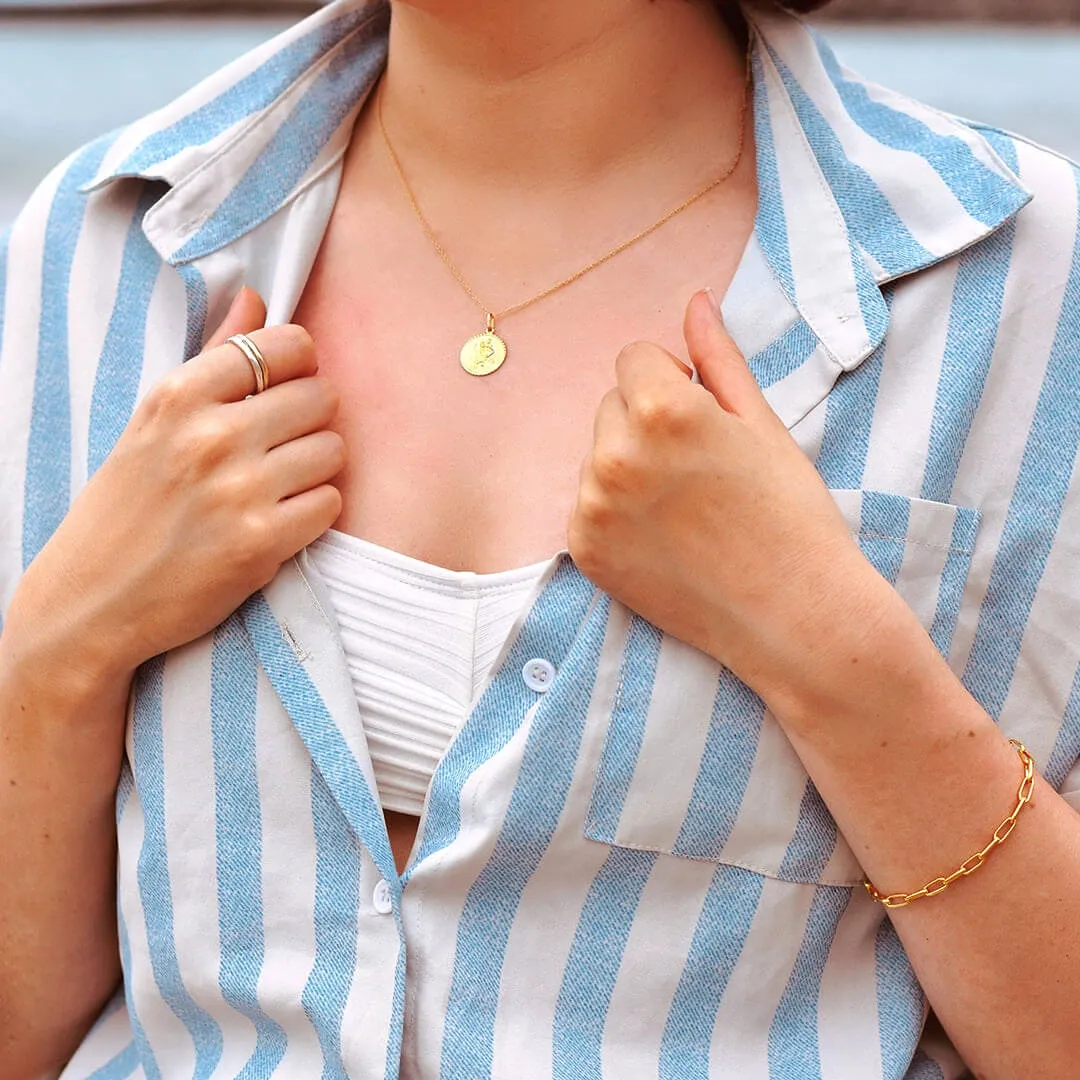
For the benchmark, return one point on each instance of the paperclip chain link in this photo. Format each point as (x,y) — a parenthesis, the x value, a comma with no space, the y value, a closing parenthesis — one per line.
(970,865)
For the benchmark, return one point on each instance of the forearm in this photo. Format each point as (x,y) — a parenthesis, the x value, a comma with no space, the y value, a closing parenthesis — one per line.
(918,777)
(699,512)
(61,741)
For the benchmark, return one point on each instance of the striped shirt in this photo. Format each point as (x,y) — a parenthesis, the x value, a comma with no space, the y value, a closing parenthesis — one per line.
(627,873)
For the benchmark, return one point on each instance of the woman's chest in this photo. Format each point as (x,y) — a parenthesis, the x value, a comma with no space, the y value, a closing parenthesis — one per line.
(465,472)
(472,472)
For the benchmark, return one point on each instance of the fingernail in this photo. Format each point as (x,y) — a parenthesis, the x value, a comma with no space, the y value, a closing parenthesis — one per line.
(715,303)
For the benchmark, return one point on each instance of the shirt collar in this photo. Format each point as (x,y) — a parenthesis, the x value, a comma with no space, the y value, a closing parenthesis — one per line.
(243,143)
(858,186)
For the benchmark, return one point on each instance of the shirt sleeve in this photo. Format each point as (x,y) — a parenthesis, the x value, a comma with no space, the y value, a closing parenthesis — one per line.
(58,280)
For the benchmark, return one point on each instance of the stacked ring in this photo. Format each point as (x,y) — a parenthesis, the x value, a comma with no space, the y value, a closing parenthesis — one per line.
(258,362)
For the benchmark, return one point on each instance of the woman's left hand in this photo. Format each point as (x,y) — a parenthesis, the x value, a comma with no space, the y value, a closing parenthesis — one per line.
(698,510)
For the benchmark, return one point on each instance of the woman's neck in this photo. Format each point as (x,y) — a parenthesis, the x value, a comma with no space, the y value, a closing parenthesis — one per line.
(501,93)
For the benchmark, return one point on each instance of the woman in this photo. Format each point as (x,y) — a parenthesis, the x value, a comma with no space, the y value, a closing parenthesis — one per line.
(384,806)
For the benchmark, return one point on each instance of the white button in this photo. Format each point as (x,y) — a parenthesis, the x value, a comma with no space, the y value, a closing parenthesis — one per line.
(538,675)
(380,899)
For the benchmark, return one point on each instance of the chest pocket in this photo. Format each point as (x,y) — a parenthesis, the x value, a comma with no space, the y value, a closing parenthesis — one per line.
(694,765)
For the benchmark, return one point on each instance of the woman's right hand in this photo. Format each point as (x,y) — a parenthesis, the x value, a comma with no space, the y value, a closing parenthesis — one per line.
(204,496)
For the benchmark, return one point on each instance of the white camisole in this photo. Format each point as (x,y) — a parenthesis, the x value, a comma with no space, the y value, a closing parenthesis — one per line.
(420,642)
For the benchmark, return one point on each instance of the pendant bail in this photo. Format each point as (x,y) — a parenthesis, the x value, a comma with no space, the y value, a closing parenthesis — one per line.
(490,323)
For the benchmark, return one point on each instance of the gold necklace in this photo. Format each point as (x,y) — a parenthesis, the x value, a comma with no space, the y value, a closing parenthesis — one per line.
(485,353)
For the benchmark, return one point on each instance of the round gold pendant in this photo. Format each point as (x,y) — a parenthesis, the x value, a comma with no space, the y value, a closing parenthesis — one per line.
(483,354)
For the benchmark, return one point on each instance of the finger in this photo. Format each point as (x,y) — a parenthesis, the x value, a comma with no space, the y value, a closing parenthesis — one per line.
(305,463)
(225,373)
(247,313)
(303,518)
(656,387)
(643,364)
(723,370)
(610,416)
(290,410)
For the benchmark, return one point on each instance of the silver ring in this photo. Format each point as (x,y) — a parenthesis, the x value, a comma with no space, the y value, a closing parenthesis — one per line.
(258,362)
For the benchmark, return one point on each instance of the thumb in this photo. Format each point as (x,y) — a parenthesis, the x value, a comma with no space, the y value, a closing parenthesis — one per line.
(723,370)
(246,313)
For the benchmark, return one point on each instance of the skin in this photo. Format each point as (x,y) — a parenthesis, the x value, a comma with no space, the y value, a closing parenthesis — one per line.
(692,505)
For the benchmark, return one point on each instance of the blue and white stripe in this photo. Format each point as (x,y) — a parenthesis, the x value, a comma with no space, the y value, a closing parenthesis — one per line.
(630,875)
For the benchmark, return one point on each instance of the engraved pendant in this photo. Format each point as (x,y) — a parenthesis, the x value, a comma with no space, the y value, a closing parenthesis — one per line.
(484,353)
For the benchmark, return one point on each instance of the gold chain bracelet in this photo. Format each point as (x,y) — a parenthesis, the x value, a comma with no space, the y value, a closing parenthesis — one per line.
(967,868)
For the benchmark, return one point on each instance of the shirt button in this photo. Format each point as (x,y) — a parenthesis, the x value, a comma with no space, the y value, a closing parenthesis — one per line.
(380,899)
(538,675)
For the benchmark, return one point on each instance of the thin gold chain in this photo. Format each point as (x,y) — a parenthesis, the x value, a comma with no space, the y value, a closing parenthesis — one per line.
(968,867)
(460,278)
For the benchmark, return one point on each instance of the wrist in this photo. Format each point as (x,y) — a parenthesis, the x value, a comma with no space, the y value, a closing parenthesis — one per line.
(59,658)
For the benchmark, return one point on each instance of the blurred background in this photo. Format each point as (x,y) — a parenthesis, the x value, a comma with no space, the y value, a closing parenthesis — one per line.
(72,69)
